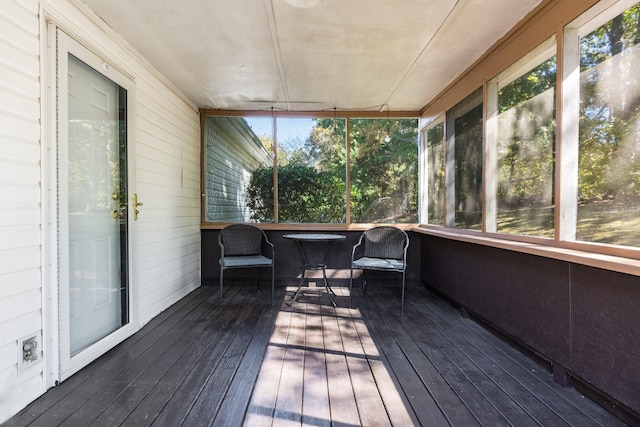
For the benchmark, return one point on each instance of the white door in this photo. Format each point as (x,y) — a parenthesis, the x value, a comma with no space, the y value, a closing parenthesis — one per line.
(96,185)
(93,222)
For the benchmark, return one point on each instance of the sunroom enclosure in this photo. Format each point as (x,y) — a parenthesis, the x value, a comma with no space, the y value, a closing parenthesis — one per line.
(529,193)
(518,183)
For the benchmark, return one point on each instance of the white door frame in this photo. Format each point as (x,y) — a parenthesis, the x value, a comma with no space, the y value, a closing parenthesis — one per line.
(58,363)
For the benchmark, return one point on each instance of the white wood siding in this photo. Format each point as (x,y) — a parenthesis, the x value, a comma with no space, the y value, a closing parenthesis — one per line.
(20,201)
(229,166)
(168,183)
(167,234)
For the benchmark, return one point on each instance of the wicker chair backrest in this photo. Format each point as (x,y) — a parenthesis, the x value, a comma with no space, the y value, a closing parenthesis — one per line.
(385,242)
(241,239)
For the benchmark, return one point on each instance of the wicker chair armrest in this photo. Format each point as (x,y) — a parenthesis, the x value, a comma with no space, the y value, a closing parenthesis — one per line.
(355,247)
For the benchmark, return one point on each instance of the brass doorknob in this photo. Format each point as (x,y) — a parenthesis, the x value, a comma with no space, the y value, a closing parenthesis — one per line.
(120,212)
(136,203)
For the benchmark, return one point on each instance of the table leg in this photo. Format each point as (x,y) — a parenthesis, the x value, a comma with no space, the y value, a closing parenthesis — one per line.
(306,266)
(295,296)
(327,287)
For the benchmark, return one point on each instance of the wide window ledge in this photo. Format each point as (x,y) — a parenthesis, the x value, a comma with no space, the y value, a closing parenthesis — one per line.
(308,227)
(613,262)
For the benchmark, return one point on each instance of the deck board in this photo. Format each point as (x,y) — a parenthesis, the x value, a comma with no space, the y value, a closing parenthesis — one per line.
(315,399)
(257,364)
(342,400)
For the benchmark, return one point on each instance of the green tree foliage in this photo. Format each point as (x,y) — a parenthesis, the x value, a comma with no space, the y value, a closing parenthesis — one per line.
(311,179)
(527,140)
(384,167)
(310,196)
(609,163)
(260,193)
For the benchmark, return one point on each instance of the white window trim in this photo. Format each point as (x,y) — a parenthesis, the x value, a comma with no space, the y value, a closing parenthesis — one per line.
(563,246)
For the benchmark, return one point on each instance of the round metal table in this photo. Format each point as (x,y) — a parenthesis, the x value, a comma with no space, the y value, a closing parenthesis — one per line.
(305,257)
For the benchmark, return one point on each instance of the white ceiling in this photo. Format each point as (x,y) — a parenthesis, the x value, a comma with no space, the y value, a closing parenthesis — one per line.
(312,55)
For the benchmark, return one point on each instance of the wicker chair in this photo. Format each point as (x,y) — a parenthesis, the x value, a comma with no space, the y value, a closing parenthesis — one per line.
(381,248)
(241,246)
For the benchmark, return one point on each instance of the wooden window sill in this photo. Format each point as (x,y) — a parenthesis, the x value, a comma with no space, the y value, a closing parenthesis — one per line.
(545,248)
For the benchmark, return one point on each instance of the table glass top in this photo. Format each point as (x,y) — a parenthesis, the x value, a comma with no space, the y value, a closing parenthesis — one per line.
(314,236)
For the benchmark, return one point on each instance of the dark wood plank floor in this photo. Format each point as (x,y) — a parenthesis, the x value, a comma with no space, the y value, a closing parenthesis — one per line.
(255,364)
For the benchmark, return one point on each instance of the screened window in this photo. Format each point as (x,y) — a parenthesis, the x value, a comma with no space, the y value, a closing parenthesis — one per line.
(311,170)
(307,160)
(526,146)
(609,132)
(466,136)
(237,155)
(384,170)
(435,174)
(535,169)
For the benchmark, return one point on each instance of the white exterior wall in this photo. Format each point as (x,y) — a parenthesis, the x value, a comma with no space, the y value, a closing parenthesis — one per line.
(20,201)
(166,237)
(168,183)
(228,172)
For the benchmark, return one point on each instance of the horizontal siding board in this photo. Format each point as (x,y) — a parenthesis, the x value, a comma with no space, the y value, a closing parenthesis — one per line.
(167,278)
(165,104)
(166,155)
(22,79)
(154,292)
(26,151)
(8,356)
(13,214)
(152,121)
(24,16)
(15,260)
(158,139)
(20,236)
(15,305)
(21,143)
(154,220)
(183,246)
(19,281)
(183,225)
(168,133)
(19,170)
(155,272)
(13,122)
(19,192)
(30,385)
(22,104)
(16,41)
(153,269)
(27,323)
(173,236)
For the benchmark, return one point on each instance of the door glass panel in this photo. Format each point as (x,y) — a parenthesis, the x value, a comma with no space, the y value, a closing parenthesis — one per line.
(97,211)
